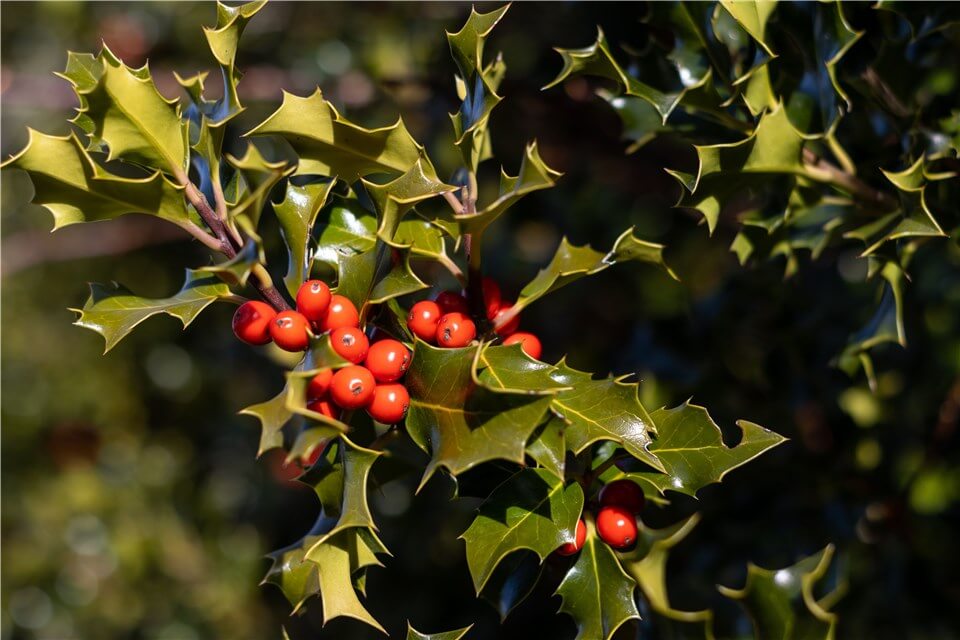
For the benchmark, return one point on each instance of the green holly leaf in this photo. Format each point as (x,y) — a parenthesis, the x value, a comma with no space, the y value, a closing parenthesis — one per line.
(413,634)
(752,16)
(512,581)
(605,409)
(459,423)
(532,510)
(377,275)
(255,178)
(596,592)
(510,369)
(466,45)
(328,144)
(75,189)
(548,446)
(782,603)
(297,214)
(224,39)
(273,414)
(236,270)
(690,448)
(724,170)
(124,110)
(647,564)
(570,263)
(394,199)
(113,311)
(597,60)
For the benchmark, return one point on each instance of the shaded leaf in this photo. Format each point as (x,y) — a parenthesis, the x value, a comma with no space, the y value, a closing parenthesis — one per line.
(512,581)
(752,16)
(548,446)
(510,369)
(297,214)
(413,634)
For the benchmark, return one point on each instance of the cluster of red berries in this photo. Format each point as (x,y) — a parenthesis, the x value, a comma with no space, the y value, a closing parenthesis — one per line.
(446,322)
(371,382)
(620,503)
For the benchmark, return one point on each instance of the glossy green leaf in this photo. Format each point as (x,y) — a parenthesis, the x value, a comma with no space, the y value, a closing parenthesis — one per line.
(236,270)
(223,39)
(466,45)
(752,16)
(256,178)
(690,448)
(782,602)
(113,311)
(604,409)
(69,183)
(413,634)
(124,110)
(328,144)
(297,214)
(459,423)
(548,446)
(512,581)
(532,510)
(377,275)
(510,369)
(395,198)
(596,592)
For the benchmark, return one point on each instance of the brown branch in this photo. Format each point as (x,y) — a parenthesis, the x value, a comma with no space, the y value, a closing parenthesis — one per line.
(832,174)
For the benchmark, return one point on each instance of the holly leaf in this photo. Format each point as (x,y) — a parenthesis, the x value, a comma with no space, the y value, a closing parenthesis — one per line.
(328,144)
(273,414)
(510,369)
(395,198)
(377,275)
(596,592)
(690,448)
(297,214)
(512,581)
(548,446)
(256,177)
(570,263)
(236,270)
(460,423)
(223,39)
(647,564)
(782,603)
(76,189)
(113,311)
(466,45)
(531,510)
(752,16)
(605,409)
(413,634)
(123,109)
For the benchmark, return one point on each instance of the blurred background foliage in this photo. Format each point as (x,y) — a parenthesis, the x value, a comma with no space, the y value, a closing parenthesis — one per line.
(132,502)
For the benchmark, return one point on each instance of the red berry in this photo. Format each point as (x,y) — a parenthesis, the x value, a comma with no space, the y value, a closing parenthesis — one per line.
(251,322)
(509,328)
(423,320)
(319,385)
(450,302)
(340,313)
(289,331)
(388,360)
(491,297)
(617,526)
(528,342)
(324,407)
(455,330)
(352,387)
(350,343)
(622,493)
(570,548)
(313,300)
(389,403)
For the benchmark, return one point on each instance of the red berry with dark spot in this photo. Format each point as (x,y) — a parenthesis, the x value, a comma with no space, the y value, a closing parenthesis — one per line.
(319,385)
(622,493)
(352,387)
(509,328)
(570,548)
(350,344)
(528,342)
(455,330)
(388,360)
(340,313)
(617,527)
(389,403)
(251,322)
(491,297)
(289,331)
(313,300)
(423,320)
(450,302)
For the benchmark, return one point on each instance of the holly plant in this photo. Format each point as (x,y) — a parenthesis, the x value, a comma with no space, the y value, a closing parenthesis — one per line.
(394,375)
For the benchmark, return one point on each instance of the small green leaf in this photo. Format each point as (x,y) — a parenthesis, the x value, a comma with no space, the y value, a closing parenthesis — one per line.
(532,510)
(413,634)
(782,603)
(462,424)
(223,40)
(752,16)
(394,199)
(297,215)
(236,270)
(548,446)
(466,45)
(256,177)
(328,144)
(377,275)
(596,592)
(690,448)
(113,311)
(76,189)
(273,414)
(510,369)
